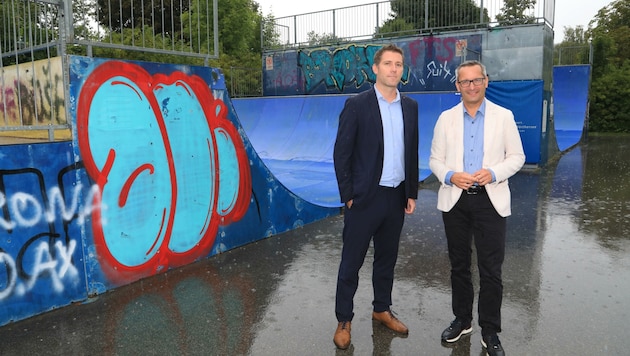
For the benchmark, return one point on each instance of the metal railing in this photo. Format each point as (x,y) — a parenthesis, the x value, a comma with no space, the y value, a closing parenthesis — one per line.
(35,36)
(31,82)
(245,82)
(398,18)
(573,55)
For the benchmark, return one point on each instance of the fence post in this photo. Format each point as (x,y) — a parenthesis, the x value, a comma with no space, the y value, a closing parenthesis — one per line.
(295,29)
(426,14)
(333,23)
(66,36)
(376,28)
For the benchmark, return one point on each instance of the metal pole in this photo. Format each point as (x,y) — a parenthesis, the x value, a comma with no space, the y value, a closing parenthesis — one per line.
(426,14)
(215,13)
(295,30)
(333,21)
(376,27)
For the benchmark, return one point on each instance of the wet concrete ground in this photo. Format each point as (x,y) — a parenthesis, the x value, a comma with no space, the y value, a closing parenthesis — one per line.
(566,284)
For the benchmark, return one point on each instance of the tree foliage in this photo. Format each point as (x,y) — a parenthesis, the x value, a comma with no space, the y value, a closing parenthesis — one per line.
(431,14)
(395,27)
(171,25)
(610,107)
(513,12)
(574,49)
(22,27)
(610,35)
(271,32)
(316,39)
(165,15)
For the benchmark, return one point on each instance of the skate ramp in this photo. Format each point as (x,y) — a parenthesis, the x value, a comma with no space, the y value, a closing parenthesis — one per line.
(570,95)
(295,137)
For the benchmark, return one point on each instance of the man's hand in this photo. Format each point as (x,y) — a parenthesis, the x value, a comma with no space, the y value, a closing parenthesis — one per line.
(411,206)
(349,204)
(483,177)
(463,180)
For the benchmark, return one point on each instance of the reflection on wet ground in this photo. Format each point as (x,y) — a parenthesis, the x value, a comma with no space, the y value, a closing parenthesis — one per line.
(566,284)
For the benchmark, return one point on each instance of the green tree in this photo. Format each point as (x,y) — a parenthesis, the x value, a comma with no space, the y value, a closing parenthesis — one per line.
(271,35)
(316,39)
(575,48)
(610,35)
(609,100)
(24,25)
(83,11)
(239,25)
(395,27)
(513,12)
(431,14)
(165,15)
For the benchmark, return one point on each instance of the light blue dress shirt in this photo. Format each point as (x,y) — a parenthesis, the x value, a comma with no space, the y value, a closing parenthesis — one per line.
(393,140)
(473,139)
(473,142)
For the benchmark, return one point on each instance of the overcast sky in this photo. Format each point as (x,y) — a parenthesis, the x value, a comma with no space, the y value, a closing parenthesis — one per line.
(569,13)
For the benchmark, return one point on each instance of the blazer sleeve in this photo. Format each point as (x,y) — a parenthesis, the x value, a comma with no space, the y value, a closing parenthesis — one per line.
(443,158)
(410,113)
(343,150)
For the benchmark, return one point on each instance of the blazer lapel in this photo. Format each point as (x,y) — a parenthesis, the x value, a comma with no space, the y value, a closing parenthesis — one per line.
(458,126)
(489,126)
(374,114)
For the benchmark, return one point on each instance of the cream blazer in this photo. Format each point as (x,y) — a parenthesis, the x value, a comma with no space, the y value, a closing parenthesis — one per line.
(503,154)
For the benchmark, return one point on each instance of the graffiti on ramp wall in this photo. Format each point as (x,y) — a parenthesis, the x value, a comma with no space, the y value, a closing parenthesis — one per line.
(170,167)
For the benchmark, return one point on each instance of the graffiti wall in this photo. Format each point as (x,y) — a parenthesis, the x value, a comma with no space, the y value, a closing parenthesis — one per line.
(45,202)
(430,64)
(32,93)
(158,175)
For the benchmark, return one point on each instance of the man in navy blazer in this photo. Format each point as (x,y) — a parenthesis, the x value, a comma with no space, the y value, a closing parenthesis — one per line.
(376,164)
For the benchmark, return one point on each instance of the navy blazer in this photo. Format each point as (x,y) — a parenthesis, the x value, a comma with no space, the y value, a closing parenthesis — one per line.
(358,152)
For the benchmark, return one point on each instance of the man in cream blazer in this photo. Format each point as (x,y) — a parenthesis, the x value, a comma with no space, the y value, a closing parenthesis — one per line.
(476,147)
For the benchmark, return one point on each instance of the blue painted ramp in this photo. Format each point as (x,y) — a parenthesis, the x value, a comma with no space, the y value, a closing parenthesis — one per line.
(295,137)
(430,106)
(570,100)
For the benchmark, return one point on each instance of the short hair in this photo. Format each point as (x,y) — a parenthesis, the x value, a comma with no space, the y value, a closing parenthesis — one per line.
(471,63)
(390,47)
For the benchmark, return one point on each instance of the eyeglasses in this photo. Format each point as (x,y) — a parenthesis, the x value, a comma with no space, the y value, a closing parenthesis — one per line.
(466,83)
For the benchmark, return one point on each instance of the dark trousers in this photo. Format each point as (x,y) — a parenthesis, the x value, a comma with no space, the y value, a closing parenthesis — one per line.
(474,215)
(380,221)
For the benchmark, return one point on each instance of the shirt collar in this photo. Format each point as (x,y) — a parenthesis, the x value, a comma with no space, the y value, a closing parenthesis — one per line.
(380,96)
(481,110)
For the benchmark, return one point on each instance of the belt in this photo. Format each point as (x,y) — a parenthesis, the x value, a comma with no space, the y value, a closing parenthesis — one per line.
(390,188)
(475,189)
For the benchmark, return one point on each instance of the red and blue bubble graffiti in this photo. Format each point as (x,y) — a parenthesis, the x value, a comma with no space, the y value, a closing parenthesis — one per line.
(170,167)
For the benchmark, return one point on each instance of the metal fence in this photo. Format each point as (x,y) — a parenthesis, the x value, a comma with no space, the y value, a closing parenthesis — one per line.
(31,86)
(400,18)
(245,82)
(35,36)
(572,55)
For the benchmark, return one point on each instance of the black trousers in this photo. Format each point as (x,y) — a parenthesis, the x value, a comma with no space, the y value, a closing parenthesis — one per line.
(474,216)
(380,221)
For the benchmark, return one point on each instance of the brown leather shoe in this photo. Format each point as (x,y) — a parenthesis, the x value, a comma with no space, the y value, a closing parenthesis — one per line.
(388,319)
(342,335)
